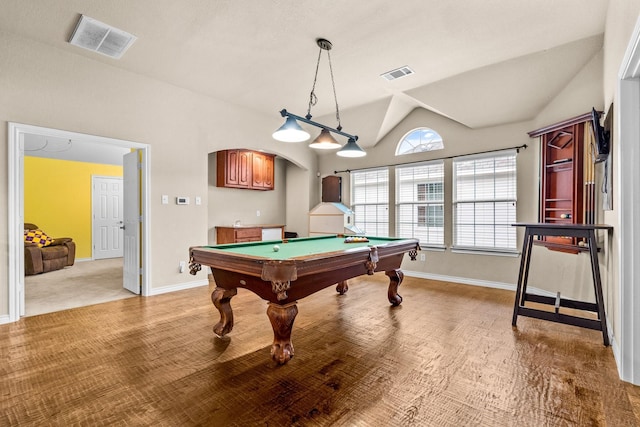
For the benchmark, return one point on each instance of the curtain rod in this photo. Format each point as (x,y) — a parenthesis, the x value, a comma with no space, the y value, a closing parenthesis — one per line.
(518,147)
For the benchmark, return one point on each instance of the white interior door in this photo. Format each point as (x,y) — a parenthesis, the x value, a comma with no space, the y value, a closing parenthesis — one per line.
(132,217)
(106,196)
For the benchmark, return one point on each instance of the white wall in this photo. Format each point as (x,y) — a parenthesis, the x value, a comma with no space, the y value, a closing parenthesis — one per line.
(621,20)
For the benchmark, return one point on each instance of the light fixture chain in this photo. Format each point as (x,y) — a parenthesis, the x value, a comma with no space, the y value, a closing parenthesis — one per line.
(313,99)
(335,97)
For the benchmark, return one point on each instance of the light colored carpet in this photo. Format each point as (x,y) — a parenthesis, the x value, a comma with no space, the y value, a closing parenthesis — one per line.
(84,283)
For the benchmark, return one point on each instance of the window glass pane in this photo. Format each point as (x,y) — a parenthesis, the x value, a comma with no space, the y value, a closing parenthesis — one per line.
(418,141)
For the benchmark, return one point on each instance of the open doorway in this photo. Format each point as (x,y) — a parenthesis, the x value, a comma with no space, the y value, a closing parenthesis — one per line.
(138,249)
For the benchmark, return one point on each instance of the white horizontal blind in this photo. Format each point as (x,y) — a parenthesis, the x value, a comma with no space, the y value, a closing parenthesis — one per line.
(484,201)
(370,201)
(420,202)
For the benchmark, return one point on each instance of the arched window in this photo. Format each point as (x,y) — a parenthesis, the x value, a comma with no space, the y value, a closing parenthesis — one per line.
(418,141)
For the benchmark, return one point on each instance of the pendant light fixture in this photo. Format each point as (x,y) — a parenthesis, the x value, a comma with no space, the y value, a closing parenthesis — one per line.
(291,131)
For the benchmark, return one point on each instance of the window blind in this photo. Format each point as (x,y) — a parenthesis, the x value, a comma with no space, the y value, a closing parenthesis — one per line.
(420,202)
(484,201)
(370,201)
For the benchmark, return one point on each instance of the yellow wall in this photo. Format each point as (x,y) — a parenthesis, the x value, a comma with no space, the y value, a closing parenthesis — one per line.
(57,198)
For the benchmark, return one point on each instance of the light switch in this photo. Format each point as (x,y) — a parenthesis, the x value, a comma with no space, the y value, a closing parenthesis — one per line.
(198,200)
(165,199)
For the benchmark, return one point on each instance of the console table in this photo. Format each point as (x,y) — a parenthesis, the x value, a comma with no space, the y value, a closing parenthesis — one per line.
(584,231)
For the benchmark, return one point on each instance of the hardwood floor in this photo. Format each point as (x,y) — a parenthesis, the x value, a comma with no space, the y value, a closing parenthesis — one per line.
(446,357)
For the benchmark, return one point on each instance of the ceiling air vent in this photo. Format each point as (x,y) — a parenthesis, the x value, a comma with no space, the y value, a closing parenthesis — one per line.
(397,73)
(99,37)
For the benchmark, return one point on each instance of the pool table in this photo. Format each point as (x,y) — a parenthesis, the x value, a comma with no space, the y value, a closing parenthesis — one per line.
(284,271)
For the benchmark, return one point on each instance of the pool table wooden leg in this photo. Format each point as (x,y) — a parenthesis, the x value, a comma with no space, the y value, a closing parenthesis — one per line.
(342,287)
(221,298)
(395,278)
(282,317)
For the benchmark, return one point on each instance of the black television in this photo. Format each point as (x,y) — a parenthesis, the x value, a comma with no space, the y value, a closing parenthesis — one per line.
(601,146)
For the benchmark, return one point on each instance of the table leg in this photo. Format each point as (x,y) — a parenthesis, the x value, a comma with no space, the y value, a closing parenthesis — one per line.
(281,318)
(342,287)
(395,279)
(221,298)
(523,274)
(597,285)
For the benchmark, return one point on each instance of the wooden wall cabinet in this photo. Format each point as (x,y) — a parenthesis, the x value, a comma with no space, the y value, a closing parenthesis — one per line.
(566,185)
(244,169)
(332,189)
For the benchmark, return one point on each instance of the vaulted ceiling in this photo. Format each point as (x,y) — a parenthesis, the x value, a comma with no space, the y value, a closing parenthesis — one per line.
(480,63)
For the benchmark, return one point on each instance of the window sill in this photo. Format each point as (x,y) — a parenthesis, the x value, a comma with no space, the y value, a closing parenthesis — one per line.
(479,251)
(434,248)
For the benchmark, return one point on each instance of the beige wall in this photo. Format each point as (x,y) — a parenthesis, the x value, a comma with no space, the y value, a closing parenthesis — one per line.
(303,194)
(227,205)
(548,270)
(43,86)
(458,140)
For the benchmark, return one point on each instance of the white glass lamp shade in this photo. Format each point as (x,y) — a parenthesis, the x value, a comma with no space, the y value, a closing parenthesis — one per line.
(291,131)
(325,141)
(351,149)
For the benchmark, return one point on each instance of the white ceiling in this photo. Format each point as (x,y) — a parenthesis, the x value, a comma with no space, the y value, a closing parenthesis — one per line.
(503,59)
(74,149)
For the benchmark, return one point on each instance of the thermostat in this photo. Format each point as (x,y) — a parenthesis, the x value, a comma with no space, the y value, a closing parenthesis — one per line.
(182,200)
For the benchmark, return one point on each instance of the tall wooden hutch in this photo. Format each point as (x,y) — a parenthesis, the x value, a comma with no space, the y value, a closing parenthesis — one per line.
(567,189)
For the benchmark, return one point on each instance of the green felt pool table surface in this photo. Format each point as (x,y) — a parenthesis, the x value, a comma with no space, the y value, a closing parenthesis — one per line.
(299,247)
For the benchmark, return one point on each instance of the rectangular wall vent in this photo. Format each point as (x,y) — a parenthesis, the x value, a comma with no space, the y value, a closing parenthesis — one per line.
(397,73)
(99,37)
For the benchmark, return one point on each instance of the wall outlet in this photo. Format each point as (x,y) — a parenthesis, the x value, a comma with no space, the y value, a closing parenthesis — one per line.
(423,257)
(183,266)
(257,213)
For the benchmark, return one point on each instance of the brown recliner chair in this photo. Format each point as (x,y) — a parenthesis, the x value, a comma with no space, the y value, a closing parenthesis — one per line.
(59,254)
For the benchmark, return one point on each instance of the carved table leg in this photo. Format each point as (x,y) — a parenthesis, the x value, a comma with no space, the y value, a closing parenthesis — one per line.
(282,317)
(221,298)
(342,287)
(395,278)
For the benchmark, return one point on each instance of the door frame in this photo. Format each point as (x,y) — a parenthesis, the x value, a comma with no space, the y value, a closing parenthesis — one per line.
(15,220)
(627,120)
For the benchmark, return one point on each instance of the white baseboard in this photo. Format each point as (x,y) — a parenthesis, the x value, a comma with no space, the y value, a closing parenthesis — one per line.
(476,282)
(5,319)
(178,287)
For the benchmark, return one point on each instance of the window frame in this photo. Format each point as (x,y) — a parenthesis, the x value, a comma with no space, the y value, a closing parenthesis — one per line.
(426,144)
(509,196)
(431,234)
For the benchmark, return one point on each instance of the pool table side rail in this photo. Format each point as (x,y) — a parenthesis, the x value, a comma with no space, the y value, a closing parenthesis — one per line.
(308,264)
